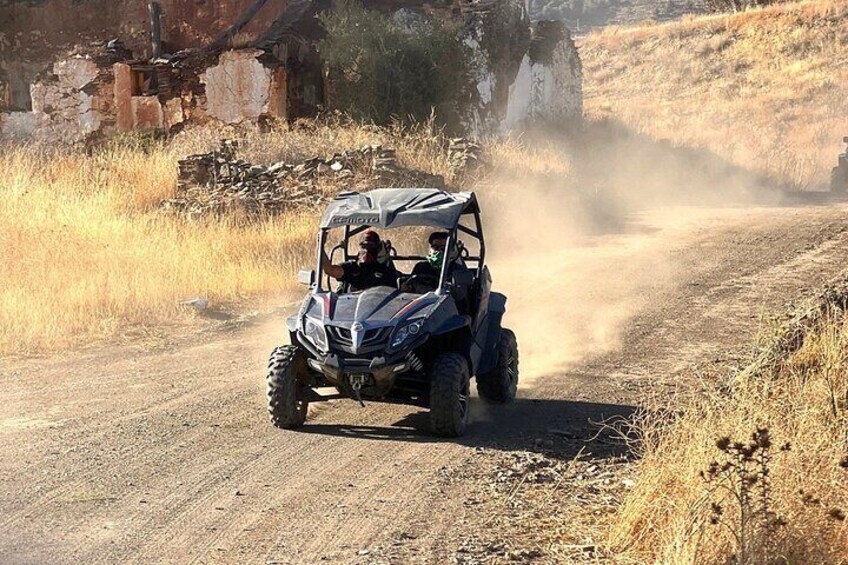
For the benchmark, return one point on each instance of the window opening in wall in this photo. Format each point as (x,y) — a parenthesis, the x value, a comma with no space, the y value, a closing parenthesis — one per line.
(14,92)
(144,81)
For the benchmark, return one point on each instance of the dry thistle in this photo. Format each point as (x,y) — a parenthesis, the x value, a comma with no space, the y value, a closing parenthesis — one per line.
(836,514)
(744,480)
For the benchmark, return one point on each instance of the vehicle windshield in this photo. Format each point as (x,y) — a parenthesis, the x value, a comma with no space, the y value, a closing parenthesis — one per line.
(404,258)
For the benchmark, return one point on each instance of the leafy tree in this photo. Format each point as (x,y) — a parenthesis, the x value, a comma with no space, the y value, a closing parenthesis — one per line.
(382,70)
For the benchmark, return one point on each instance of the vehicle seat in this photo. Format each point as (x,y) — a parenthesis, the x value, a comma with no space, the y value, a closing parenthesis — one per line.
(463,282)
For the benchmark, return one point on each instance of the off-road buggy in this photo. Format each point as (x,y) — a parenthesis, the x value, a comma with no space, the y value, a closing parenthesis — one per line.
(384,344)
(839,173)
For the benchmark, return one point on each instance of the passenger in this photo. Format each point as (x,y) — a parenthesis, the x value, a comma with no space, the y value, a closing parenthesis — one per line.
(372,266)
(427,273)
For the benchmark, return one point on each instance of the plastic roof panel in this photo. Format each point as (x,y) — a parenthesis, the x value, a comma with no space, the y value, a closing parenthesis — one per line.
(396,207)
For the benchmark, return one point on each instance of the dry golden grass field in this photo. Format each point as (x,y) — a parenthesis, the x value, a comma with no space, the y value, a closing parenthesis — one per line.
(766,90)
(87,256)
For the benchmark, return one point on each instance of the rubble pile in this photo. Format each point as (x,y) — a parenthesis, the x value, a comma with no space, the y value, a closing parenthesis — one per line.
(218,182)
(465,156)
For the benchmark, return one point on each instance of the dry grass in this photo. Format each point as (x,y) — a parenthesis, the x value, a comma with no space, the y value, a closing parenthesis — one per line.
(766,90)
(802,399)
(85,255)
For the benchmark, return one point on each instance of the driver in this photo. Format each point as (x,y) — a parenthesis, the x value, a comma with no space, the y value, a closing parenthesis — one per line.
(372,266)
(429,271)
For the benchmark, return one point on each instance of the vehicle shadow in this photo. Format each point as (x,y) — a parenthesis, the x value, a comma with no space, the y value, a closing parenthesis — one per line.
(558,428)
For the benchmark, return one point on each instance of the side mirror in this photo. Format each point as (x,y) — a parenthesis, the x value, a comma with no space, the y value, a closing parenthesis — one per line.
(305,277)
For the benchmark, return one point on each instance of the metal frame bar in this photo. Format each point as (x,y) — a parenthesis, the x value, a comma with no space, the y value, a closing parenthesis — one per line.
(322,239)
(444,272)
(352,232)
(482,257)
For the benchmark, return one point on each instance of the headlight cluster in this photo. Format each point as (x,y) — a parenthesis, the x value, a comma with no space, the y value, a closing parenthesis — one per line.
(315,333)
(406,332)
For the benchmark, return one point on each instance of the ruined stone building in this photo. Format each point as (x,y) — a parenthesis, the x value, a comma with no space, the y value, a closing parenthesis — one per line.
(83,70)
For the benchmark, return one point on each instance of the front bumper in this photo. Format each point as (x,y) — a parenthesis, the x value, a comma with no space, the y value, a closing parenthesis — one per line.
(380,373)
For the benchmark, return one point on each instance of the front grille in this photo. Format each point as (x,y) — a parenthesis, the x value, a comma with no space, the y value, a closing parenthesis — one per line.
(344,337)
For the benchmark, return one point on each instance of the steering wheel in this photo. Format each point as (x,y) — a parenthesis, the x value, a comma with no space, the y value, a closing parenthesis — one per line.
(421,283)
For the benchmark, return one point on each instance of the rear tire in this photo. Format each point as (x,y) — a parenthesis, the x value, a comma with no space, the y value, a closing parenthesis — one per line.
(449,395)
(500,385)
(287,403)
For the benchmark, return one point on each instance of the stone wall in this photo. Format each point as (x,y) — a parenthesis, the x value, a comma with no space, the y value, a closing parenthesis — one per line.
(524,73)
(548,88)
(35,34)
(240,88)
(71,102)
(91,96)
(219,182)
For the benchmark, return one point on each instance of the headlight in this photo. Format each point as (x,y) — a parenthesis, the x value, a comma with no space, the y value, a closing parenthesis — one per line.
(405,332)
(315,333)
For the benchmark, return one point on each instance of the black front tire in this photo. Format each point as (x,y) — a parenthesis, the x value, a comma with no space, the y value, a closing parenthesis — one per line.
(501,384)
(287,403)
(449,395)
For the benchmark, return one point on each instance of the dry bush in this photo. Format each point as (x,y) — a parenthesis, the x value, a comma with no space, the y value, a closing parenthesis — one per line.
(802,400)
(765,89)
(736,5)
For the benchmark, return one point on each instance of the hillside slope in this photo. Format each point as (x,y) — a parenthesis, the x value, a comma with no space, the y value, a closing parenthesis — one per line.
(764,90)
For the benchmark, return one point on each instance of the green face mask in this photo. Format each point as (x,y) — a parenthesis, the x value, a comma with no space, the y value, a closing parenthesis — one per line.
(435,258)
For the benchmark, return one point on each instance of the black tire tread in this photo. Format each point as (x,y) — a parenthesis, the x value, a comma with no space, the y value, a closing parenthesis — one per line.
(449,381)
(282,388)
(495,386)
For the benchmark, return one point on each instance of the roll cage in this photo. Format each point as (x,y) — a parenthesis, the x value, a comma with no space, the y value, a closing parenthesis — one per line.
(386,209)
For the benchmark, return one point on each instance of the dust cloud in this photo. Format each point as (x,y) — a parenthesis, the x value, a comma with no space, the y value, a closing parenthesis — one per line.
(578,257)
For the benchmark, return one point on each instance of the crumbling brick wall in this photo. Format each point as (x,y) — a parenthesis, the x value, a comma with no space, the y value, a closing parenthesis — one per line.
(84,96)
(241,87)
(74,100)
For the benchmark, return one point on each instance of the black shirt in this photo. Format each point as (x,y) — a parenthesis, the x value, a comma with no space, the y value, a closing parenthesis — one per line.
(430,276)
(361,276)
(424,268)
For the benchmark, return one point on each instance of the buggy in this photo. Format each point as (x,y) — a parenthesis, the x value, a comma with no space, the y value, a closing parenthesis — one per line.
(384,344)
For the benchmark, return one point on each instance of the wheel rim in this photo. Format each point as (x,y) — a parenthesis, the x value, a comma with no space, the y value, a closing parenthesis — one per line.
(512,369)
(463,405)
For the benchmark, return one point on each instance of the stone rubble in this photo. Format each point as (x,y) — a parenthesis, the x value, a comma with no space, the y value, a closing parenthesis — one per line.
(465,156)
(219,182)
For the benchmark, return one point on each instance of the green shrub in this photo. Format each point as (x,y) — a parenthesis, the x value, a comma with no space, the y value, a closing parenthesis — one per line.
(382,71)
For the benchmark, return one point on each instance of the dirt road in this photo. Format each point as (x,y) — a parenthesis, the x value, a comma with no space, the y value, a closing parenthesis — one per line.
(122,455)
